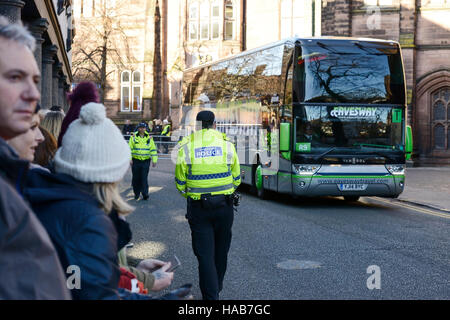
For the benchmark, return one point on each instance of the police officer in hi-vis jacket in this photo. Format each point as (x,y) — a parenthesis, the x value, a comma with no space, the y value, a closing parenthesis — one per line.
(143,151)
(207,173)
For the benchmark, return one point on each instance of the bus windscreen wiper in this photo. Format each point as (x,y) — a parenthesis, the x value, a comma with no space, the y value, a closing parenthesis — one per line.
(382,146)
(320,156)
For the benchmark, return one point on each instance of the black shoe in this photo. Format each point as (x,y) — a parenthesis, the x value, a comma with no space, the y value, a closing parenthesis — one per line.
(136,197)
(145,197)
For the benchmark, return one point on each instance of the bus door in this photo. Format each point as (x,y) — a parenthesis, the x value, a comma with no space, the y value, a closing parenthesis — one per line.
(285,178)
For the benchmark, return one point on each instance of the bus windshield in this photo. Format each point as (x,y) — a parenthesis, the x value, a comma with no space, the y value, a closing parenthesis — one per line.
(354,72)
(375,128)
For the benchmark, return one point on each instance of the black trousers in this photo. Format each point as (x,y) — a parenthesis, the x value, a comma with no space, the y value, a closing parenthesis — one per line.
(166,141)
(211,239)
(140,169)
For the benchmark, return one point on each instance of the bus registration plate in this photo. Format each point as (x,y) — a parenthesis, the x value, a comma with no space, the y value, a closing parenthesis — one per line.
(352,187)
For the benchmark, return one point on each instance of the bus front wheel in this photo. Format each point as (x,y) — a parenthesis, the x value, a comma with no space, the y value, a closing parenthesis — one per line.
(351,198)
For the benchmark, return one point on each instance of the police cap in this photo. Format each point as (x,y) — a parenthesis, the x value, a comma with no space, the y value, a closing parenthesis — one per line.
(141,125)
(205,116)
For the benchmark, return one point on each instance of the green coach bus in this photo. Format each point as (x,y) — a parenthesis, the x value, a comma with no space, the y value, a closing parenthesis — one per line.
(310,116)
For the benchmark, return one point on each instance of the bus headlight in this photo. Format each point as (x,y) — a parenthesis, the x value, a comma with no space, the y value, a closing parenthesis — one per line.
(303,169)
(396,169)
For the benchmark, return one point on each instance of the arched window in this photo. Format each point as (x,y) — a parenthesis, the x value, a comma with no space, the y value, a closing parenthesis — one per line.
(439,136)
(441,118)
(125,86)
(137,91)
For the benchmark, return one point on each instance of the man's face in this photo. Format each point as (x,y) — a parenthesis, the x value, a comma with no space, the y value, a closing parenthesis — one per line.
(141,130)
(19,75)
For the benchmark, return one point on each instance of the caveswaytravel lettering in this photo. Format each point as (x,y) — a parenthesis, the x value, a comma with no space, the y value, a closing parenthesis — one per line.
(353,112)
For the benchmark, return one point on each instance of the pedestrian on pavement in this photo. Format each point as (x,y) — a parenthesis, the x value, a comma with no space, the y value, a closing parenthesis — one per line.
(53,122)
(127,128)
(83,93)
(207,173)
(143,152)
(75,203)
(156,132)
(151,124)
(29,265)
(167,129)
(157,128)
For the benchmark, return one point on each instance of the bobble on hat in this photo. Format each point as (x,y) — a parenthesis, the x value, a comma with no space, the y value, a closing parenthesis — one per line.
(92,113)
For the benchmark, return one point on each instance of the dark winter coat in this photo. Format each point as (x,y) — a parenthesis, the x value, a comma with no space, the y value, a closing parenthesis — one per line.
(83,234)
(29,266)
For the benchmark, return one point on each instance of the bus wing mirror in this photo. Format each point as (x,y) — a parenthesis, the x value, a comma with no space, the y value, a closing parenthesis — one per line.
(408,142)
(285,137)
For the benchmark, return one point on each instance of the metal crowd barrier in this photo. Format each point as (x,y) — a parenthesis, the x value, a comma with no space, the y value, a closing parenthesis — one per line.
(164,144)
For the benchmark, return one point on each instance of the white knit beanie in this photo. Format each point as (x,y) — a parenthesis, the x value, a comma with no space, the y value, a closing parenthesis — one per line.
(93,149)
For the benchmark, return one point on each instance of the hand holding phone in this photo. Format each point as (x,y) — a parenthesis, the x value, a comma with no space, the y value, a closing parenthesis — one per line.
(174,263)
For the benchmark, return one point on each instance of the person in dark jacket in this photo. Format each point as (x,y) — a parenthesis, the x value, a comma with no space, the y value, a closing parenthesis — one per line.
(29,266)
(75,202)
(128,128)
(157,128)
(83,234)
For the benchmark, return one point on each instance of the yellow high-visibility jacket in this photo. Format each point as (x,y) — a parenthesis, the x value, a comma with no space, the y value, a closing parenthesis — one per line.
(142,148)
(166,130)
(207,163)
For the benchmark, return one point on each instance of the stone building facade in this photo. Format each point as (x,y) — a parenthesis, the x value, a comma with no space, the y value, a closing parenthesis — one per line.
(128,28)
(191,32)
(206,30)
(198,31)
(423,29)
(50,23)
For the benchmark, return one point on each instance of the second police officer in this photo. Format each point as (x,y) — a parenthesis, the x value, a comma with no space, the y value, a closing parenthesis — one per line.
(143,151)
(166,135)
(207,173)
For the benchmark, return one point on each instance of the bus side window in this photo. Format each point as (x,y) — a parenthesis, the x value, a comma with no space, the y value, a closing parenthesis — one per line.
(299,77)
(288,83)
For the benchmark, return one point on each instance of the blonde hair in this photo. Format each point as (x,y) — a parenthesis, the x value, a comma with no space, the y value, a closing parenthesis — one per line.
(109,197)
(42,113)
(52,122)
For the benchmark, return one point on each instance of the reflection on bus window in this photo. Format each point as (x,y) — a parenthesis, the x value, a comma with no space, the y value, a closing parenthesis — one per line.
(350,127)
(350,73)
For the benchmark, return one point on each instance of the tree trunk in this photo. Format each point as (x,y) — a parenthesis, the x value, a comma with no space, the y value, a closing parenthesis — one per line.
(103,71)
(157,73)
